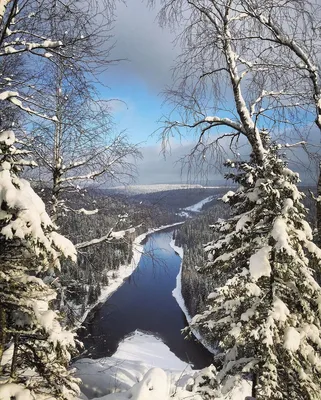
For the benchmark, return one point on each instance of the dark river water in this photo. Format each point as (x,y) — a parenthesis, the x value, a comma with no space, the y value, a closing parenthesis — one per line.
(145,302)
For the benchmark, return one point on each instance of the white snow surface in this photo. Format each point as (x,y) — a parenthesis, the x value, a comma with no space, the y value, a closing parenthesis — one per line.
(198,206)
(143,368)
(177,294)
(135,356)
(280,311)
(149,350)
(154,386)
(19,392)
(292,339)
(177,249)
(259,263)
(184,214)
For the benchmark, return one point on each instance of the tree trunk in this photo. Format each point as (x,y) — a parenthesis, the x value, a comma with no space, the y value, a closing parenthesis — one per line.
(3,324)
(254,385)
(14,356)
(318,209)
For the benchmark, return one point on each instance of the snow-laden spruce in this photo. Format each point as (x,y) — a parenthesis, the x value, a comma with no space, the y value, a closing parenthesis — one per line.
(34,347)
(264,314)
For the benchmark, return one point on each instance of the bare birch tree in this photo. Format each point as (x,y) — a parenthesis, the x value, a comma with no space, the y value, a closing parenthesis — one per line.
(293,28)
(80,145)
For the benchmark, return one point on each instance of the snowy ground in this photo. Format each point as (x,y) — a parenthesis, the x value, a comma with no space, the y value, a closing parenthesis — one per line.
(187,212)
(143,368)
(198,206)
(135,356)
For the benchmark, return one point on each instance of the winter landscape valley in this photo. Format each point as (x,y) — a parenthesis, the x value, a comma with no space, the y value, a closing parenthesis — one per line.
(133,342)
(160,200)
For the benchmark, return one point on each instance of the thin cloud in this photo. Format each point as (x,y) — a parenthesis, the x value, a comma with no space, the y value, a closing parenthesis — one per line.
(148,48)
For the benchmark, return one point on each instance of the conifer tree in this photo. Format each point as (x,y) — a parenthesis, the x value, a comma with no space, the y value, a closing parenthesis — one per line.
(264,314)
(35,349)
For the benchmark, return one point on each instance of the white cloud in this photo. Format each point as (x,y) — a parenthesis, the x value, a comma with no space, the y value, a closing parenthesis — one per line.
(170,167)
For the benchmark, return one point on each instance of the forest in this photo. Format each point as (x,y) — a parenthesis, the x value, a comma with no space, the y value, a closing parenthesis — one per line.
(246,88)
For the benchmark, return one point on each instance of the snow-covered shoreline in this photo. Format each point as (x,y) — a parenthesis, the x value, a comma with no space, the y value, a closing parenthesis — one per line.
(177,294)
(123,272)
(198,206)
(127,367)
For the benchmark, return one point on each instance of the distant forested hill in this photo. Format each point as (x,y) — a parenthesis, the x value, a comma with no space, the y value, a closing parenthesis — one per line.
(80,284)
(177,199)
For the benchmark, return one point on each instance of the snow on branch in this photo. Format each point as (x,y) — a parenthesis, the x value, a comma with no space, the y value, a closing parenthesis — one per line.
(209,122)
(17,47)
(109,238)
(288,145)
(24,211)
(86,161)
(84,211)
(91,175)
(16,99)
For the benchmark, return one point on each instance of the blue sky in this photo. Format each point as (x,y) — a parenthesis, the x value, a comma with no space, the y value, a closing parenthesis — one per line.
(138,82)
(137,110)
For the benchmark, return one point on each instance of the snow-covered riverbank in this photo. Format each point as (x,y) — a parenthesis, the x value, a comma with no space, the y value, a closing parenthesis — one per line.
(143,368)
(177,294)
(198,206)
(135,356)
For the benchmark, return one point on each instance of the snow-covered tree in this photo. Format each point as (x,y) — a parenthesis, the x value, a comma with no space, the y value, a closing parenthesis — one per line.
(34,348)
(291,28)
(264,314)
